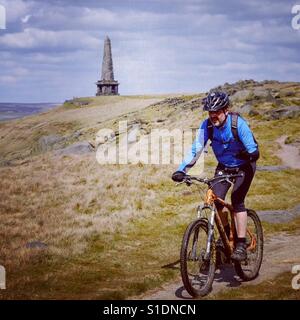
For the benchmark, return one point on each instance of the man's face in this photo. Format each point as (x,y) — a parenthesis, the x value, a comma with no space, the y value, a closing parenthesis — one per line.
(218,117)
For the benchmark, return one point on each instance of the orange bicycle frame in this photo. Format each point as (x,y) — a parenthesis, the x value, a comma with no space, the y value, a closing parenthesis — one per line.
(229,244)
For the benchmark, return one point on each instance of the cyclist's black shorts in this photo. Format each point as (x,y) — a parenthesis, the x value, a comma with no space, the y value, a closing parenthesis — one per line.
(240,187)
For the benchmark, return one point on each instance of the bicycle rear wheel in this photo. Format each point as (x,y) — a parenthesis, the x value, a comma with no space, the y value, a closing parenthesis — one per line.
(196,272)
(249,269)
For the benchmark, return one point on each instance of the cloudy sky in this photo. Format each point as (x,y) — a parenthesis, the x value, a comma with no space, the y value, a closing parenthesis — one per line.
(52,50)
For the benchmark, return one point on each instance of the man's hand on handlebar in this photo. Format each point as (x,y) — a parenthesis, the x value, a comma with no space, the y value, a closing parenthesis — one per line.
(178,176)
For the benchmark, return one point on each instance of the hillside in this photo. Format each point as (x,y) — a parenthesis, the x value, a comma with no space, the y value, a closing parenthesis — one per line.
(76,229)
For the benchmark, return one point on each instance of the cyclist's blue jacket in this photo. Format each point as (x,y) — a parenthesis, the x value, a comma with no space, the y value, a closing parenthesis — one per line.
(224,146)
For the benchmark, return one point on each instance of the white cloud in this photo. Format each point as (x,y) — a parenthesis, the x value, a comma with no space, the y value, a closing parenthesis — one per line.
(268,8)
(267,33)
(69,17)
(16,9)
(31,38)
(13,75)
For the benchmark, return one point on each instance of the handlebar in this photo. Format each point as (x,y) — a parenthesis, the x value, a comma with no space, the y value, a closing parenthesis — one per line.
(210,182)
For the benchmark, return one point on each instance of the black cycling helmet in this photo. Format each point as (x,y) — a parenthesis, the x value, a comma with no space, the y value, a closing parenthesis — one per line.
(215,101)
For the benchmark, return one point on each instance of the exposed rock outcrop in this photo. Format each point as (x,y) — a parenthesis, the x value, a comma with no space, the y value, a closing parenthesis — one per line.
(282,113)
(78,148)
(55,141)
(50,142)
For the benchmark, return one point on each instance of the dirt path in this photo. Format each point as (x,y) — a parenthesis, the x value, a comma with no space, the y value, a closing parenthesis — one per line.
(281,252)
(288,154)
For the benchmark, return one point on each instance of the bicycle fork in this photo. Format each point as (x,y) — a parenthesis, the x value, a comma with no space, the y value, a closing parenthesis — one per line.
(210,234)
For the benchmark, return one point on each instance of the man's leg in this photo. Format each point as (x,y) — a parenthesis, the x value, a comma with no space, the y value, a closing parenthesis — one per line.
(240,251)
(240,219)
(239,192)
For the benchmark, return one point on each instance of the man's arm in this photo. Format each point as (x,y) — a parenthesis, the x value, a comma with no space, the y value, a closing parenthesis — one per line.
(196,150)
(245,134)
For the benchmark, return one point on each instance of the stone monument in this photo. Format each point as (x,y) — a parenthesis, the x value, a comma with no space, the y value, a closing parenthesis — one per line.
(107,85)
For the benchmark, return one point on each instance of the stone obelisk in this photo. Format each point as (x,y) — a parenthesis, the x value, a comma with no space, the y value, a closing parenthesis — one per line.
(107,85)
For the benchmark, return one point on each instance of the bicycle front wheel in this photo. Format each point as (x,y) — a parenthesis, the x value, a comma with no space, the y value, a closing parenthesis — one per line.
(249,269)
(197,271)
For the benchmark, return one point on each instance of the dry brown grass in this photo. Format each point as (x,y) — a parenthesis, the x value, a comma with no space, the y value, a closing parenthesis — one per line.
(64,201)
(91,218)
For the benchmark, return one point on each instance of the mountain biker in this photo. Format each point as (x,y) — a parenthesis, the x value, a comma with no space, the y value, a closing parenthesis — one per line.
(234,154)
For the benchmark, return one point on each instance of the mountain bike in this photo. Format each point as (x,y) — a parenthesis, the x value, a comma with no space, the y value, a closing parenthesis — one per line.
(199,255)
